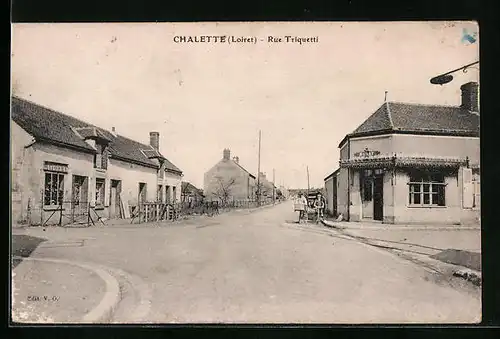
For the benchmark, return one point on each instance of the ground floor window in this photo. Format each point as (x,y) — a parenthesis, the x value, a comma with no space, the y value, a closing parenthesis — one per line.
(99,192)
(54,189)
(427,188)
(174,193)
(367,189)
(142,192)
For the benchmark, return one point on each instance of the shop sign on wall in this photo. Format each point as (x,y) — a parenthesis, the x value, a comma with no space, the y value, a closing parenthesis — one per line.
(366,153)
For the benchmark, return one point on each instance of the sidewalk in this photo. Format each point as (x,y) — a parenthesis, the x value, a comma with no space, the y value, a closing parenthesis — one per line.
(45,292)
(451,250)
(363,225)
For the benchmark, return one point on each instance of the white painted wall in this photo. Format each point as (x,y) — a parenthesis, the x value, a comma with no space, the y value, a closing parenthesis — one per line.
(28,175)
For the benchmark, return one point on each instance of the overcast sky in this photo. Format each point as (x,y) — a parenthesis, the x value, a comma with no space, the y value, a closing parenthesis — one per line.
(203,98)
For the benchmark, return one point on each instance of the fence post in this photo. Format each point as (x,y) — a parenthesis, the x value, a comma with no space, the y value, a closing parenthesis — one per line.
(41,211)
(28,212)
(61,213)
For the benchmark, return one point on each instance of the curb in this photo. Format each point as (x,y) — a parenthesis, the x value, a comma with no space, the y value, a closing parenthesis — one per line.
(331,225)
(390,227)
(104,310)
(467,274)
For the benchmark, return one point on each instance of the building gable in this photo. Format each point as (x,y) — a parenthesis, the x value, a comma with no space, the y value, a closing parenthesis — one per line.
(409,118)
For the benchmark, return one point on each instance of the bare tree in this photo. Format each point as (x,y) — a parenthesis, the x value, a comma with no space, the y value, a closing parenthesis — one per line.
(261,191)
(223,191)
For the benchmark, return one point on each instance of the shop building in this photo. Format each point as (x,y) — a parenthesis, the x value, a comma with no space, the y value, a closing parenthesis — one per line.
(411,163)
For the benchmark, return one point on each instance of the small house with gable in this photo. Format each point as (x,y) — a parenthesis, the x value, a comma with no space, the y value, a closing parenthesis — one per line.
(227,180)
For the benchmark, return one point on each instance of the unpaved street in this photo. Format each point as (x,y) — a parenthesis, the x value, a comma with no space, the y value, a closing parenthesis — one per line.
(256,267)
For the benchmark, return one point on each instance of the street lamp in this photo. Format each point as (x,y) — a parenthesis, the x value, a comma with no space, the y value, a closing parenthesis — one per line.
(447,77)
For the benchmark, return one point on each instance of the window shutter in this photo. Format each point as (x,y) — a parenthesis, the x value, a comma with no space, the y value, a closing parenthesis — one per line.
(468,188)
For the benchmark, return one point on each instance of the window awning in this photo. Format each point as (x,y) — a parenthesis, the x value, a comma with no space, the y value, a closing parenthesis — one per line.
(403,161)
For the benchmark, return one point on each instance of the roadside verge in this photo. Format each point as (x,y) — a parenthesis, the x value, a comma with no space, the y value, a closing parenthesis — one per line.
(101,313)
(444,250)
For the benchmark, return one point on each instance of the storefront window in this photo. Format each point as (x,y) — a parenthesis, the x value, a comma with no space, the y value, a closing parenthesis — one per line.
(54,189)
(367,189)
(427,189)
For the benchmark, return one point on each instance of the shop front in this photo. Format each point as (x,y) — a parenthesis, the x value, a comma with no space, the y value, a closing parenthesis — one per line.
(407,189)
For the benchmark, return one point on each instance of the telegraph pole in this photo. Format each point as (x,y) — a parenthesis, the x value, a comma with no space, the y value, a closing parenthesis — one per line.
(274,189)
(308,187)
(258,174)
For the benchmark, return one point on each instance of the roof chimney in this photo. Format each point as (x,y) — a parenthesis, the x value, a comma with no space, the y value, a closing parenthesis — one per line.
(154,140)
(470,98)
(226,155)
(113,131)
(236,160)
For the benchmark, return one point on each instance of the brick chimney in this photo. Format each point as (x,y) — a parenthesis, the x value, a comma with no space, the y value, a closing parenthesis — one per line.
(236,160)
(226,154)
(470,98)
(154,140)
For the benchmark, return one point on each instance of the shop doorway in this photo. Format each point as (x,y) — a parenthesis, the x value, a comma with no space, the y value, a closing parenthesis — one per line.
(114,199)
(378,198)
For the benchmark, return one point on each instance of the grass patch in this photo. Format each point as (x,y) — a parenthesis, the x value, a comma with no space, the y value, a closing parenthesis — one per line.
(23,246)
(467,259)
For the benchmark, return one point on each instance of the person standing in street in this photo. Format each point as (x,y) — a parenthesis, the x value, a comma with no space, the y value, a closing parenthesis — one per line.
(319,205)
(301,203)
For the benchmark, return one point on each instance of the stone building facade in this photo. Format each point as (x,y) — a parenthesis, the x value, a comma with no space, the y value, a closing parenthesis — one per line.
(227,180)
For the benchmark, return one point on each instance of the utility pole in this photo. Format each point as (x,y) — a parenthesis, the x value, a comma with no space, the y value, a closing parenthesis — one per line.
(258,174)
(274,189)
(308,187)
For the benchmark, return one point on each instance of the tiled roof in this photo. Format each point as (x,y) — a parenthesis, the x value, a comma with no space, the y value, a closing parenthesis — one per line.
(394,117)
(91,132)
(55,127)
(190,188)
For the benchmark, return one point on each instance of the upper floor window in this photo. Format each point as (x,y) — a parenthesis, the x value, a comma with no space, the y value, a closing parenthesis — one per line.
(101,157)
(161,171)
(427,189)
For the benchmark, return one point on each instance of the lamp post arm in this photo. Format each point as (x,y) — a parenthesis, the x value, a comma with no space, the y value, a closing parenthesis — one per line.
(464,68)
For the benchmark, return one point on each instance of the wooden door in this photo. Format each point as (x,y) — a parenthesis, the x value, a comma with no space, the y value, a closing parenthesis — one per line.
(378,198)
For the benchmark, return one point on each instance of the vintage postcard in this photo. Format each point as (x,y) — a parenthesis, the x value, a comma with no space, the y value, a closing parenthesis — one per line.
(245,172)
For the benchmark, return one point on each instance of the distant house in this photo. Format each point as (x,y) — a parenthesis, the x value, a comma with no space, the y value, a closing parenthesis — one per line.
(58,160)
(411,163)
(266,187)
(190,193)
(227,180)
